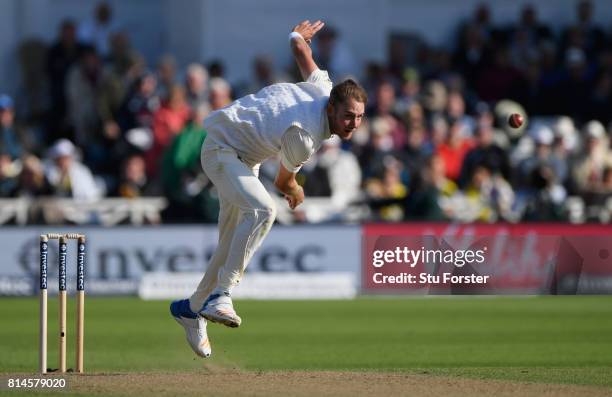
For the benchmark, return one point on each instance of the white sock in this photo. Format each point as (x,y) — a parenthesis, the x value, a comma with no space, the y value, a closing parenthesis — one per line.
(195,306)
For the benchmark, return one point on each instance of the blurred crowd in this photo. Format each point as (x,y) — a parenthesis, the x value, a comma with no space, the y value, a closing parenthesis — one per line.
(96,121)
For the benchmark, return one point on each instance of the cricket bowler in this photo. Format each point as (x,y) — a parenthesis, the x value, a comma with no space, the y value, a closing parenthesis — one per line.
(287,119)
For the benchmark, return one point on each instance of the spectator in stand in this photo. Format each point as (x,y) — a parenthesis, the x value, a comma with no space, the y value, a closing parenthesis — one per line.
(196,87)
(526,37)
(32,180)
(545,196)
(454,149)
(426,198)
(589,167)
(383,108)
(82,85)
(314,179)
(438,131)
(375,75)
(485,152)
(585,33)
(567,140)
(577,80)
(378,148)
(434,98)
(9,139)
(123,69)
(168,121)
(414,155)
(543,157)
(490,196)
(564,147)
(472,50)
(63,54)
(191,195)
(396,59)
(67,176)
(140,104)
(133,181)
(456,110)
(166,76)
(216,68)
(606,184)
(339,168)
(263,74)
(334,55)
(220,93)
(9,172)
(410,91)
(96,32)
(529,22)
(481,21)
(414,116)
(387,191)
(123,59)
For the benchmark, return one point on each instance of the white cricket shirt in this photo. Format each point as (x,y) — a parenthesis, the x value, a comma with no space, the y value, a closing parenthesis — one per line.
(284,117)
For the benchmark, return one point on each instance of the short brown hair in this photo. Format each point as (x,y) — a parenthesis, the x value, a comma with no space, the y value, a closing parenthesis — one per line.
(349,88)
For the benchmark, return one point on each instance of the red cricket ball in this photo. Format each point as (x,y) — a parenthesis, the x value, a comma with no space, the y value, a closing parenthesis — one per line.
(515,120)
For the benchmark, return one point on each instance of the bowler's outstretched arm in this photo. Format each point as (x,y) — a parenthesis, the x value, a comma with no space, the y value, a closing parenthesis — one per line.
(301,48)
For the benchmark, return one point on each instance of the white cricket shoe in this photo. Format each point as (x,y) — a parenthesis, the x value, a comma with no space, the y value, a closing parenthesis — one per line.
(218,308)
(194,325)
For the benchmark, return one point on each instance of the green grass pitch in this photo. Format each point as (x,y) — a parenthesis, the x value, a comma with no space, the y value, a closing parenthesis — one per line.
(539,339)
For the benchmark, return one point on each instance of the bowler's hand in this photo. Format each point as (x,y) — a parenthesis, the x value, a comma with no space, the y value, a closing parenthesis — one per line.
(308,30)
(295,198)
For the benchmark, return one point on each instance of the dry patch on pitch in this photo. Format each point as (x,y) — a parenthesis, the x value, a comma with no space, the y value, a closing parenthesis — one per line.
(224,382)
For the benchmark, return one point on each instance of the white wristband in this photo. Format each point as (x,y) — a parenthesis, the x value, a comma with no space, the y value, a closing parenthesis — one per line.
(295,35)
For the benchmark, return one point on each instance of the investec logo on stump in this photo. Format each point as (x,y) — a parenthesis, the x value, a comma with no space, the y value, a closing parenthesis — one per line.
(81,267)
(425,258)
(44,267)
(63,252)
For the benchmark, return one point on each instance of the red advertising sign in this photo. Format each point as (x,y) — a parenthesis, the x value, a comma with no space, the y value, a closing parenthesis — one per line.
(487,259)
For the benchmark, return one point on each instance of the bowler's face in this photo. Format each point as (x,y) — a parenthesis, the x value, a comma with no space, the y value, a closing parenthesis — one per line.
(345,118)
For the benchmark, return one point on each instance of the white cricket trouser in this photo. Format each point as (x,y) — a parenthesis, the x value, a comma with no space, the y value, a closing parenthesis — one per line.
(246,215)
